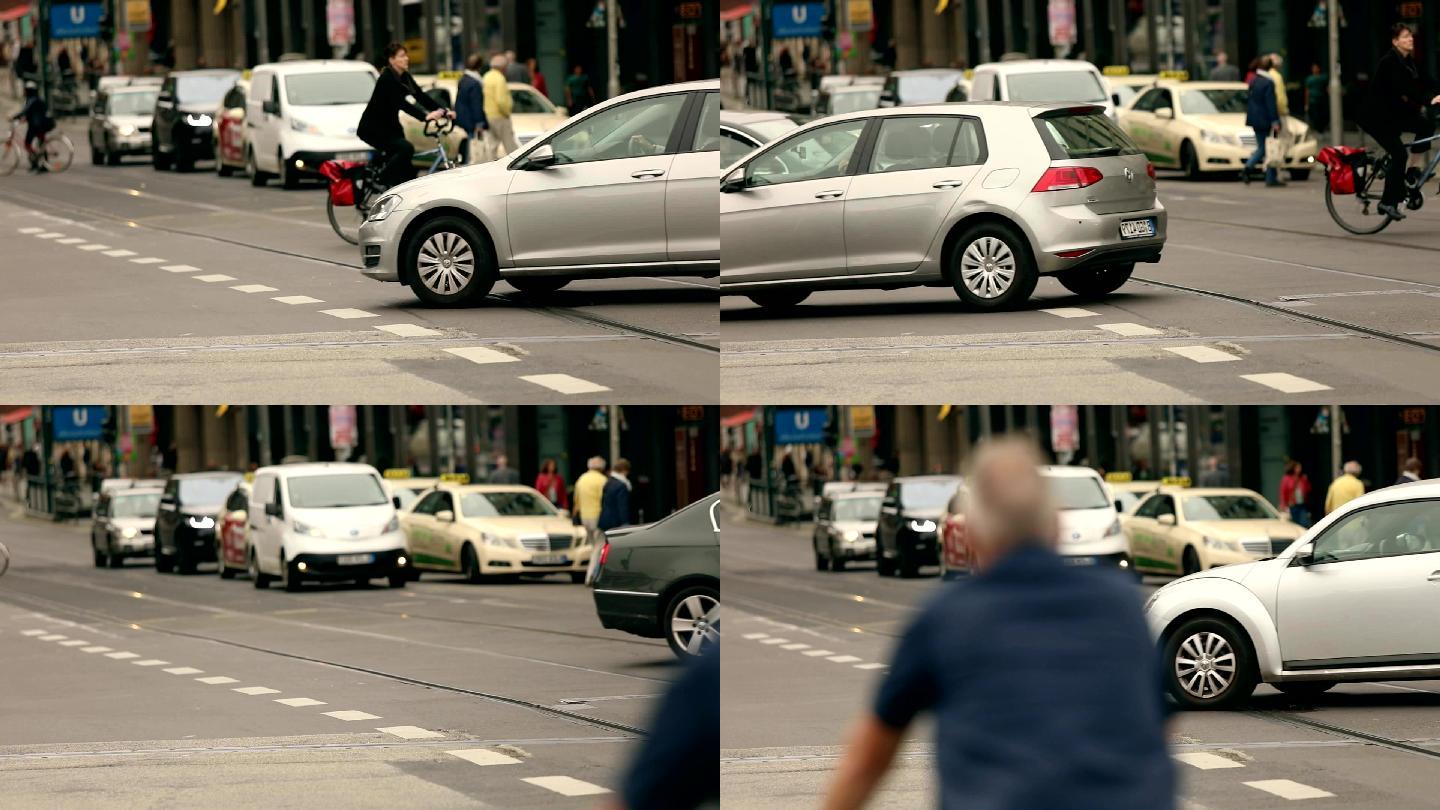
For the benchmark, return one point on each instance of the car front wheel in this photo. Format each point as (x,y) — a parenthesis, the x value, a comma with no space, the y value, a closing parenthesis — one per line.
(692,619)
(258,578)
(991,268)
(1208,665)
(1094,282)
(450,262)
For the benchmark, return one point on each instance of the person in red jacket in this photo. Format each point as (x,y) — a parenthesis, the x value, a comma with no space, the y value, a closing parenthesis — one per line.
(551,484)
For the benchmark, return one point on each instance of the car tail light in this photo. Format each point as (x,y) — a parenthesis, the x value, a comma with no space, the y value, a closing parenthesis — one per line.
(1060,178)
(604,553)
(1073,254)
(1150,170)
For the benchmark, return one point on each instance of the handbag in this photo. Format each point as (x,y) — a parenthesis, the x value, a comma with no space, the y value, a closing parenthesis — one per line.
(1275,152)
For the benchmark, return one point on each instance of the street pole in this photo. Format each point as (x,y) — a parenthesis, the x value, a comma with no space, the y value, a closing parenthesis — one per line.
(982,22)
(612,42)
(264,418)
(1337,463)
(613,419)
(42,47)
(1337,116)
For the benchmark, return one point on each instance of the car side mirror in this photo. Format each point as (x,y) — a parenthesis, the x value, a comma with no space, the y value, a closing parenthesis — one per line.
(888,100)
(1165,112)
(733,182)
(165,98)
(1115,99)
(396,500)
(275,509)
(445,516)
(1304,556)
(1120,506)
(271,107)
(1166,520)
(542,158)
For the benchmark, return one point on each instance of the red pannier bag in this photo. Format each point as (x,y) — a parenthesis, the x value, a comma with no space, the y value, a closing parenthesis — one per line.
(1341,163)
(341,174)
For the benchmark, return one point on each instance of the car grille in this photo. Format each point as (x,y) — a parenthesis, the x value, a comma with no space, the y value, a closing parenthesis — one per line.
(1256,546)
(1247,140)
(143,130)
(539,542)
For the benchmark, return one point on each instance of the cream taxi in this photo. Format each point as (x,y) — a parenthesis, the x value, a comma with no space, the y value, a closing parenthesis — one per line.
(1182,531)
(484,530)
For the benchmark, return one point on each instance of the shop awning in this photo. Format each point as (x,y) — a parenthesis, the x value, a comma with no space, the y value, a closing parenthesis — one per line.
(11,10)
(14,415)
(737,419)
(731,10)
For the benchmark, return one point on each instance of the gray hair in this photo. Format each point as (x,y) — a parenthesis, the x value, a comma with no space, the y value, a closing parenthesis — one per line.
(1352,468)
(595,463)
(1009,502)
(498,61)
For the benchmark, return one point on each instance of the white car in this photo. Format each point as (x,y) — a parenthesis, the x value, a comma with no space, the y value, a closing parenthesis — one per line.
(1037,80)
(1352,600)
(1090,532)
(327,520)
(301,114)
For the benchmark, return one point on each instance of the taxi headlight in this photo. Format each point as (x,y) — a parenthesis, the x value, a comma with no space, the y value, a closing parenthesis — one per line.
(384,207)
(1217,543)
(493,540)
(129,533)
(1212,137)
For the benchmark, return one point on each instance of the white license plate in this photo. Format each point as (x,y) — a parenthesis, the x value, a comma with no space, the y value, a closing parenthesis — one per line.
(1137,228)
(1079,560)
(355,559)
(353,156)
(550,559)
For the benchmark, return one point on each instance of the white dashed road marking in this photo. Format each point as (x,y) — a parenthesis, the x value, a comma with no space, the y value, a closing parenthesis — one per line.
(34,632)
(49,235)
(53,637)
(566,785)
(148,260)
(349,715)
(348,314)
(32,230)
(181,268)
(1286,383)
(1070,312)
(74,642)
(844,659)
(480,354)
(795,647)
(297,299)
(300,702)
(120,253)
(150,662)
(776,641)
(94,246)
(252,288)
(483,756)
(256,690)
(1207,762)
(1128,329)
(214,277)
(747,636)
(1286,789)
(1202,354)
(96,649)
(216,680)
(69,240)
(408,330)
(184,671)
(869,666)
(411,732)
(818,653)
(565,384)
(121,656)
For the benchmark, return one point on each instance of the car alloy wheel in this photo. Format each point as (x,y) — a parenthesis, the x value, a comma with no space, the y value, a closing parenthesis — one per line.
(692,620)
(1205,665)
(446,263)
(987,267)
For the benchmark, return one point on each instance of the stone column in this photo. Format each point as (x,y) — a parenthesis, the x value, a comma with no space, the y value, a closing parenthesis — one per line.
(213,44)
(907,36)
(935,46)
(184,31)
(908,439)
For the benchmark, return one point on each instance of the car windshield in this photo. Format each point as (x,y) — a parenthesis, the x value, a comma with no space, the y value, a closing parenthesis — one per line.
(135,506)
(1076,492)
(408,497)
(855,101)
(196,89)
(1058,85)
(340,87)
(926,88)
(132,103)
(927,494)
(1127,500)
(1087,135)
(529,101)
(336,491)
(1211,102)
(1126,92)
(206,490)
(769,129)
(1228,507)
(505,504)
(860,509)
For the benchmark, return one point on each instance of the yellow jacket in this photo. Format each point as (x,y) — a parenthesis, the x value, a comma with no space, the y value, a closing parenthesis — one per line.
(497,98)
(589,490)
(1282,99)
(1345,489)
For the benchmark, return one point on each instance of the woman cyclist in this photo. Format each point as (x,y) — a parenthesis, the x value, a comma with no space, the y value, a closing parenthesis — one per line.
(37,123)
(395,92)
(1398,92)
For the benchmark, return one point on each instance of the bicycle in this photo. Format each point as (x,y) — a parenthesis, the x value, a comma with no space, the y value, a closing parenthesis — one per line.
(56,151)
(365,178)
(1361,215)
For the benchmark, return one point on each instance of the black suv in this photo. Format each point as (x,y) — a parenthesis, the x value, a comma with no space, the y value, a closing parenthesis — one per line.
(186,523)
(183,128)
(908,531)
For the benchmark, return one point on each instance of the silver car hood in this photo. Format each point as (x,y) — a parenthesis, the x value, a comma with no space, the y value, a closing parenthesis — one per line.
(1235,573)
(464,183)
(861,526)
(139,524)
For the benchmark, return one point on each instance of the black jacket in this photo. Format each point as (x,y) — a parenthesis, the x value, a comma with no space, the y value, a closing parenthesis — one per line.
(393,94)
(1398,91)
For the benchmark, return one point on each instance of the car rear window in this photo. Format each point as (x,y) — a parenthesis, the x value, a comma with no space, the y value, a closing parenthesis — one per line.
(1079,135)
(1057,85)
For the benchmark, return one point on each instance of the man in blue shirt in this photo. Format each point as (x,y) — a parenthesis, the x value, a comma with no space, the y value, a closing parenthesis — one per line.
(1042,676)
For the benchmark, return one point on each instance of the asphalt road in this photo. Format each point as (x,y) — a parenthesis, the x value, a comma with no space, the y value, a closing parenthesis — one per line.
(129,688)
(804,652)
(123,281)
(1260,264)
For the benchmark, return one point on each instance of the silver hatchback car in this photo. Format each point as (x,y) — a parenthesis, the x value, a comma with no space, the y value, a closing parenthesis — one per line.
(981,197)
(624,189)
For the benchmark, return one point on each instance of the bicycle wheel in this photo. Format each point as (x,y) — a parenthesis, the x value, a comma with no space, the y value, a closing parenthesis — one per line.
(59,152)
(9,158)
(345,220)
(1359,212)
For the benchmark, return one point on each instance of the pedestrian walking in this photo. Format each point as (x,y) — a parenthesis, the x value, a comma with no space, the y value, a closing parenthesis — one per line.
(1397,94)
(550,484)
(500,131)
(589,498)
(1409,472)
(981,657)
(1317,99)
(503,473)
(674,768)
(515,70)
(579,95)
(1345,488)
(1294,493)
(1212,475)
(615,498)
(470,109)
(1263,116)
(1223,70)
(1282,106)
(537,79)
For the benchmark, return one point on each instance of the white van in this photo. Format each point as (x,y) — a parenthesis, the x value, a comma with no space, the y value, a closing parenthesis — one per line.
(325,521)
(1042,80)
(301,114)
(1090,532)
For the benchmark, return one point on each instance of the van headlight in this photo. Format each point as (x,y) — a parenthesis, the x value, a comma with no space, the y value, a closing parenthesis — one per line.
(851,536)
(1211,137)
(129,533)
(301,126)
(307,530)
(198,120)
(384,207)
(922,526)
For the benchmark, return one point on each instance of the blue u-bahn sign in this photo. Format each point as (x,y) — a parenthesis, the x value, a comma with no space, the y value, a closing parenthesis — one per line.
(800,425)
(76,423)
(797,19)
(75,20)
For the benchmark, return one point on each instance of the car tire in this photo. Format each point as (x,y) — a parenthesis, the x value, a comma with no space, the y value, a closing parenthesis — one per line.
(457,241)
(163,563)
(1190,561)
(577,577)
(290,577)
(470,564)
(983,253)
(1300,175)
(538,286)
(837,563)
(97,158)
(1225,645)
(1304,689)
(113,560)
(695,601)
(184,563)
(1096,282)
(258,578)
(883,566)
(821,564)
(184,161)
(908,567)
(779,299)
(252,170)
(289,178)
(399,579)
(112,158)
(159,160)
(1189,161)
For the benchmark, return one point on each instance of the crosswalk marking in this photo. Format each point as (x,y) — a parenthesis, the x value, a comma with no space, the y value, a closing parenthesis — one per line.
(96,649)
(53,637)
(843,659)
(298,702)
(1207,761)
(1202,354)
(796,647)
(565,384)
(33,632)
(1070,312)
(32,229)
(150,662)
(869,666)
(411,732)
(74,642)
(818,653)
(566,785)
(349,715)
(297,299)
(252,288)
(213,277)
(483,756)
(408,330)
(482,355)
(49,235)
(148,260)
(776,641)
(1287,789)
(747,636)
(348,314)
(93,246)
(181,268)
(1128,329)
(1286,383)
(121,656)
(120,253)
(70,240)
(256,690)
(216,680)
(184,671)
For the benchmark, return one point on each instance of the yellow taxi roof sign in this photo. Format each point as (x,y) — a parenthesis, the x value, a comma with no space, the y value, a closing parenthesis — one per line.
(1176,480)
(245,74)
(1116,70)
(448,75)
(249,477)
(397,472)
(1119,477)
(1177,75)
(455,478)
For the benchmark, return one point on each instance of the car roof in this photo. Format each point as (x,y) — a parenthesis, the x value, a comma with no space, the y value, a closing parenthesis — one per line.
(208,474)
(1197,491)
(964,108)
(927,72)
(1038,66)
(467,488)
(938,478)
(1201,85)
(1067,471)
(741,118)
(315,468)
(206,72)
(316,66)
(116,493)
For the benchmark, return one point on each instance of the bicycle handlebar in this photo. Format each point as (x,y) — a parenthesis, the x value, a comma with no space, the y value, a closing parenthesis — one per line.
(438,128)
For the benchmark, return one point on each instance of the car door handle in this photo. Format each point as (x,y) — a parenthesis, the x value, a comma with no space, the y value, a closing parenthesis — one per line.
(948,184)
(644,173)
(828,195)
